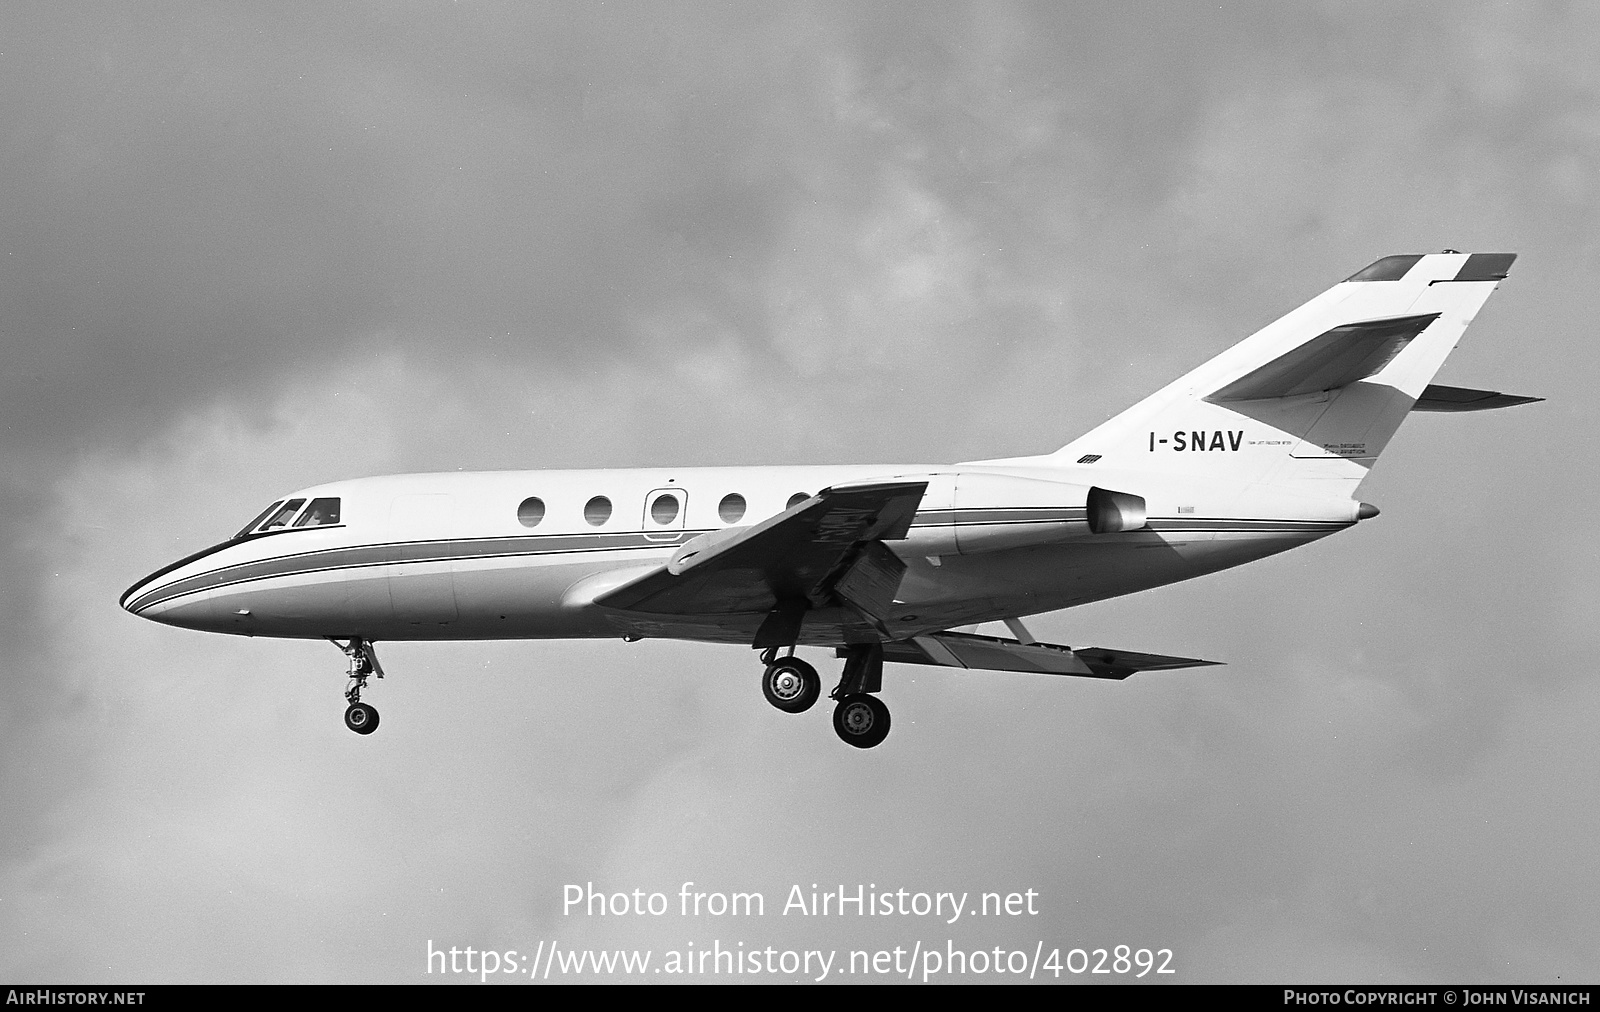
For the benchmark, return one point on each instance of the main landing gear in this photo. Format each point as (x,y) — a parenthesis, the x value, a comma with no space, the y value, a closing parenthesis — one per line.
(860,719)
(789,683)
(362,718)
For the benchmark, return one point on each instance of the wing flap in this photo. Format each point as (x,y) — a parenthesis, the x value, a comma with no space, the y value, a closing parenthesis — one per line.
(991,653)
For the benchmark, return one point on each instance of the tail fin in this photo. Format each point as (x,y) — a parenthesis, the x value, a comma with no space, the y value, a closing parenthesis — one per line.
(1316,394)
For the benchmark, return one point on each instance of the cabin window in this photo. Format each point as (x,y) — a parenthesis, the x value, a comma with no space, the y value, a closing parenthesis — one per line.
(665,509)
(281,518)
(731,508)
(795,500)
(320,513)
(259,517)
(531,511)
(597,511)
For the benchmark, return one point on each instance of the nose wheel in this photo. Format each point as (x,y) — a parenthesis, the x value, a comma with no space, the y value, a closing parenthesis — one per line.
(362,718)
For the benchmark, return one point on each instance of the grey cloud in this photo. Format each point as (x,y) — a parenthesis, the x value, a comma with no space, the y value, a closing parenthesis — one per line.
(246,251)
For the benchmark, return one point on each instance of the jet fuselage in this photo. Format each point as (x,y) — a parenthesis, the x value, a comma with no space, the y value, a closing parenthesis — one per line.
(459,556)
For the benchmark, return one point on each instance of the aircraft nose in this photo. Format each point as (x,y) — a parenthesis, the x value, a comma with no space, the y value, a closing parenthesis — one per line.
(134,599)
(188,594)
(153,598)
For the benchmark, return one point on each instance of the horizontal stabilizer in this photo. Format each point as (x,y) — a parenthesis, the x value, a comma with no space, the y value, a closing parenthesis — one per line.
(1443,398)
(965,650)
(1333,359)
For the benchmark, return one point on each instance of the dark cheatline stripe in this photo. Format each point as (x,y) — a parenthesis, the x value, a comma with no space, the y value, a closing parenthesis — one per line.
(1243,525)
(360,556)
(363,556)
(471,548)
(202,553)
(1000,515)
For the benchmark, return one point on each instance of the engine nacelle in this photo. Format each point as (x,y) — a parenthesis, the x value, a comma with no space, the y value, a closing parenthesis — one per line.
(971,512)
(1110,512)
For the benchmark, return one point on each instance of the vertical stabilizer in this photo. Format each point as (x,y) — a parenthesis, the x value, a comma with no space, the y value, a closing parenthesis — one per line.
(1314,396)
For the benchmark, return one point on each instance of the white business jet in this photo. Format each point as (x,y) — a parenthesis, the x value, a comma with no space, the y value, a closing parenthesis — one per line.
(1255,452)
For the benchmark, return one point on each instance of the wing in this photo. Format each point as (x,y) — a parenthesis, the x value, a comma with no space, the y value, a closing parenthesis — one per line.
(964,650)
(786,565)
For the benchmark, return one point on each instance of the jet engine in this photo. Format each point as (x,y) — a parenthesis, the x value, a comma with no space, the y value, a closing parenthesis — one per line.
(971,512)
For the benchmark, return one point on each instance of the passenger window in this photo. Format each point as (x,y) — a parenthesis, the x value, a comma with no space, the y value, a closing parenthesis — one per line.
(597,511)
(281,518)
(531,511)
(665,509)
(259,517)
(320,513)
(731,508)
(795,500)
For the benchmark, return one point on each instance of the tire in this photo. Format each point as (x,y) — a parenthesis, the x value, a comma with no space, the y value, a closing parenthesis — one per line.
(861,720)
(791,685)
(362,718)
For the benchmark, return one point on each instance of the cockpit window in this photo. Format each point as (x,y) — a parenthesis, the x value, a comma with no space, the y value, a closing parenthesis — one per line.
(247,528)
(321,512)
(285,512)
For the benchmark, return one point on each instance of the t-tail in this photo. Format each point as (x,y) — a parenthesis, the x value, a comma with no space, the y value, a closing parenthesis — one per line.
(1307,403)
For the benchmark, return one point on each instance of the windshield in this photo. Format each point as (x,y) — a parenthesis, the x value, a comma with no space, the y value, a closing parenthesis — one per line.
(281,515)
(247,528)
(319,513)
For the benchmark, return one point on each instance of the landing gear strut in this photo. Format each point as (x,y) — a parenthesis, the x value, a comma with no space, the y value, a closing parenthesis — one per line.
(861,719)
(362,718)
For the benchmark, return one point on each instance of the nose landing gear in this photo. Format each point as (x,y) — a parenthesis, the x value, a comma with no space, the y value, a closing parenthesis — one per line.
(362,718)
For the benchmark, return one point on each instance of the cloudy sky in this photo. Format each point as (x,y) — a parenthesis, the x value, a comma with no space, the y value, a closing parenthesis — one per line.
(248,251)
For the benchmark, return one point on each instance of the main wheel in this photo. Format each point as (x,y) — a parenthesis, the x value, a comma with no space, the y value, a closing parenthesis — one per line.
(861,720)
(362,718)
(791,685)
